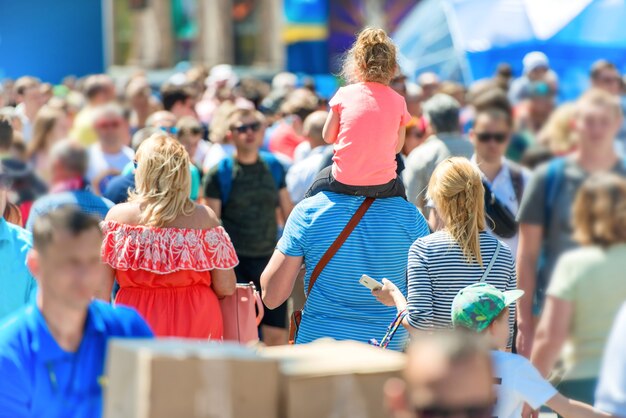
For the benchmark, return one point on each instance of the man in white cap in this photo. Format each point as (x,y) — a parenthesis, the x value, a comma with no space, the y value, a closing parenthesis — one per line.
(536,68)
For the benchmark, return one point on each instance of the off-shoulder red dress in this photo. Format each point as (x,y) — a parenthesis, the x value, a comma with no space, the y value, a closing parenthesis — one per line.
(165,273)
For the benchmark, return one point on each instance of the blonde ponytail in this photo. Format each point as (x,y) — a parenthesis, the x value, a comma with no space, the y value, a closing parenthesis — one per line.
(457,190)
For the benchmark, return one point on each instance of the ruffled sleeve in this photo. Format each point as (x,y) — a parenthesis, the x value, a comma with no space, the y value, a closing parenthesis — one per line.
(166,250)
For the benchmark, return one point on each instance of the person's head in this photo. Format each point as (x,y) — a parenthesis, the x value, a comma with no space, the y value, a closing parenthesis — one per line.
(163,120)
(6,134)
(448,374)
(28,91)
(503,76)
(298,105)
(141,135)
(178,99)
(68,160)
(284,81)
(453,89)
(372,58)
(429,82)
(598,119)
(604,75)
(138,94)
(417,131)
(162,180)
(313,127)
(414,97)
(245,130)
(540,102)
(398,83)
(65,258)
(109,125)
(189,132)
(600,211)
(442,112)
(557,134)
(99,89)
(51,125)
(483,308)
(47,92)
(456,188)
(536,65)
(491,134)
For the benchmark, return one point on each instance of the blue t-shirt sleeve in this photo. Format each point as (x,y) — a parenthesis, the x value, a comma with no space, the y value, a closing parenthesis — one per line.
(134,325)
(15,390)
(293,240)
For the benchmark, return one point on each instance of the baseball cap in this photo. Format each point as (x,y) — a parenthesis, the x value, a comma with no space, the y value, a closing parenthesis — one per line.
(534,60)
(476,306)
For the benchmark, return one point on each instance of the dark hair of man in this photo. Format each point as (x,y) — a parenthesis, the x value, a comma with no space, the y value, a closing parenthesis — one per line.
(6,133)
(172,94)
(68,218)
(600,66)
(496,113)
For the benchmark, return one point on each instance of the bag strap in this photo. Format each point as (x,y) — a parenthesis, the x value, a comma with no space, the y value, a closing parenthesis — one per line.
(343,236)
(491,263)
(225,177)
(517,181)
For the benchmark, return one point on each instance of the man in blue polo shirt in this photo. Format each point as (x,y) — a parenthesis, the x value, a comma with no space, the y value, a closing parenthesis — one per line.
(52,352)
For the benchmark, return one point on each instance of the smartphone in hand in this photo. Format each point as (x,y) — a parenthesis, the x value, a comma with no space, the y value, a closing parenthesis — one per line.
(370,283)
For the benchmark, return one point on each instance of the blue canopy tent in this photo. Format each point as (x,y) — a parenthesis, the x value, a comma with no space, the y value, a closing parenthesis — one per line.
(465,40)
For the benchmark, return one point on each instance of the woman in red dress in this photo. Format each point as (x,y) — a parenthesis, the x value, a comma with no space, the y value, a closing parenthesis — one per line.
(170,256)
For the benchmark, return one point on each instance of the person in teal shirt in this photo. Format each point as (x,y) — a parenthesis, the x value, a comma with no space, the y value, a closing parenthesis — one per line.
(16,283)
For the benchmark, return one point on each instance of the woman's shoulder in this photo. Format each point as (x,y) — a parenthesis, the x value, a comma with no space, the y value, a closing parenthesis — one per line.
(124,213)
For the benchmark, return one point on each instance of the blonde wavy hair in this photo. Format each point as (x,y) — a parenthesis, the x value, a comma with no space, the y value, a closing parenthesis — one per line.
(372,58)
(162,180)
(600,211)
(558,134)
(457,190)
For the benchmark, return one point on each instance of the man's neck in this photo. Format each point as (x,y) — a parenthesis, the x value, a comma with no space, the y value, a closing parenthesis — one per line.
(593,159)
(489,168)
(247,157)
(65,324)
(110,148)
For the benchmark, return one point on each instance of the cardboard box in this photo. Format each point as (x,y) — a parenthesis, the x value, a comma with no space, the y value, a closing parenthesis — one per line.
(172,378)
(338,379)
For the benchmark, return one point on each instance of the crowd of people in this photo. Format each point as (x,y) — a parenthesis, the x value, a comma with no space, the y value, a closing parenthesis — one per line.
(494,208)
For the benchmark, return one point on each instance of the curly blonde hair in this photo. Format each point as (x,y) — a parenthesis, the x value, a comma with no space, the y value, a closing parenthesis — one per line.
(600,211)
(457,190)
(162,181)
(372,58)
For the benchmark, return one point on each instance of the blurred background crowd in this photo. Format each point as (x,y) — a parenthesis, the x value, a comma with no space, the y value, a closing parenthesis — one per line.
(183,105)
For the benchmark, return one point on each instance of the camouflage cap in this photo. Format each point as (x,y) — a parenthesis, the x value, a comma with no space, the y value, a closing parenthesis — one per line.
(476,306)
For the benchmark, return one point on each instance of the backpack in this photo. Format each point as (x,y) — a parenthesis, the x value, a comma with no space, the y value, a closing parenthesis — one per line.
(503,220)
(225,173)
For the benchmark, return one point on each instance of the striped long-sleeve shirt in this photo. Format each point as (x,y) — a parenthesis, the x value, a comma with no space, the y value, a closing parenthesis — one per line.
(339,306)
(438,270)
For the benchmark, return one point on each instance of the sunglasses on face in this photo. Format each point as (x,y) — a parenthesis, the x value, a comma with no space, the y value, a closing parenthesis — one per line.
(484,137)
(168,129)
(108,124)
(475,411)
(242,129)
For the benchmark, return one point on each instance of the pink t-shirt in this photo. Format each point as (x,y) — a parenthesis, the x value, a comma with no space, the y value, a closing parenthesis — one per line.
(370,115)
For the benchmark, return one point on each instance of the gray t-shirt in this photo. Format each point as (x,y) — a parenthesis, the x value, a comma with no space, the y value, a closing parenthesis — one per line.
(421,163)
(558,235)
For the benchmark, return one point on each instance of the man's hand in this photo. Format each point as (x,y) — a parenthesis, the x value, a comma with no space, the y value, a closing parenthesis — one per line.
(525,339)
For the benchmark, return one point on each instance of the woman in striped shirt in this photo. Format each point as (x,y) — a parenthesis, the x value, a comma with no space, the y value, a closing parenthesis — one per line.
(443,263)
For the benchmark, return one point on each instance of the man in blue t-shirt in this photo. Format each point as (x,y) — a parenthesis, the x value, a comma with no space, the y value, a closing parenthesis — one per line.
(52,352)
